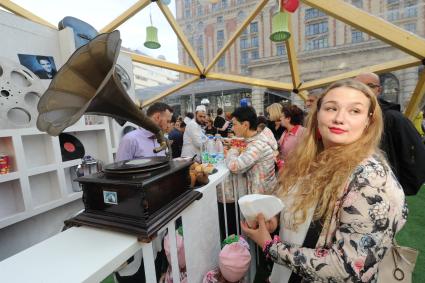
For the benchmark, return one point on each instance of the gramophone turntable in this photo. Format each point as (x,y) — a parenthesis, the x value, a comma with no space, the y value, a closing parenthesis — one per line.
(135,196)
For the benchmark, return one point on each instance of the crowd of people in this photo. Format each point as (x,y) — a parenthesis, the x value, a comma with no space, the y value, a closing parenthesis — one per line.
(342,167)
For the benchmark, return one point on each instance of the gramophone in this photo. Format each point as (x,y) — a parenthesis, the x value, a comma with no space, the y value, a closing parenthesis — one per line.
(135,196)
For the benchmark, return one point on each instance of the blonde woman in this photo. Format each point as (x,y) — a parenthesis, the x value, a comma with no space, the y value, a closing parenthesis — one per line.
(343,203)
(275,114)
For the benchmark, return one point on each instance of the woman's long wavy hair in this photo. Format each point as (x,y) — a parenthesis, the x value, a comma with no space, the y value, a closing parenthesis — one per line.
(321,174)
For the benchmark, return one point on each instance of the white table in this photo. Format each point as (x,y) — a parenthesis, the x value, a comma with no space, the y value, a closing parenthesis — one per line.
(87,254)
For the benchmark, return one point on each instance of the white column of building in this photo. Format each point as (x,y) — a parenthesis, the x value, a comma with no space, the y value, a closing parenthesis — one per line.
(257,99)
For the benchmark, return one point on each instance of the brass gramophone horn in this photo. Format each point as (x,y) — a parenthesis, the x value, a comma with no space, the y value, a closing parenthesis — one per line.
(88,84)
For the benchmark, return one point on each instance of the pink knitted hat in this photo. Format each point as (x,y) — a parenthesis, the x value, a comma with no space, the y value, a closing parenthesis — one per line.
(180,250)
(234,260)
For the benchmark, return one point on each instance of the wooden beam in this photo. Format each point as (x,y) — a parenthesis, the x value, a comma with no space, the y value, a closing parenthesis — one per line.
(416,97)
(292,57)
(183,40)
(373,25)
(245,23)
(130,12)
(250,81)
(380,68)
(169,91)
(18,10)
(162,64)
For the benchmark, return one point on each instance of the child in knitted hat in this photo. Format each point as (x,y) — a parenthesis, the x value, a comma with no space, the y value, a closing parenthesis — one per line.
(168,276)
(234,261)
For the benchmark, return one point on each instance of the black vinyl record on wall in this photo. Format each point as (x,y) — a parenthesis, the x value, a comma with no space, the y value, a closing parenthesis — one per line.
(71,147)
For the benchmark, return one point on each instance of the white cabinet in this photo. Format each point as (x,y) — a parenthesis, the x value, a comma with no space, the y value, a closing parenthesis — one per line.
(39,180)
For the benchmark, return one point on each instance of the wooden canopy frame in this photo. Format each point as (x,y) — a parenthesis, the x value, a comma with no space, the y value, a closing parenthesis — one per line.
(405,41)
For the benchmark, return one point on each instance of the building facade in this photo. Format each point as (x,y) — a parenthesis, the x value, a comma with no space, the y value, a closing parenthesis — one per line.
(324,45)
(150,76)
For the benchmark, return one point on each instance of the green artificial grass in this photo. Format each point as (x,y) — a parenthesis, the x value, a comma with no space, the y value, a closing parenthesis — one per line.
(413,233)
(109,279)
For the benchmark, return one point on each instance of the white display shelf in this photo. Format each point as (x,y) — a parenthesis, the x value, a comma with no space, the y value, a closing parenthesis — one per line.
(6,147)
(44,188)
(11,200)
(38,150)
(84,128)
(9,177)
(71,186)
(41,169)
(70,163)
(17,217)
(96,143)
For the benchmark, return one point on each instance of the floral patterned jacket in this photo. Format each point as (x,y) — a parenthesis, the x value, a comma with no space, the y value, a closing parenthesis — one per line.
(366,218)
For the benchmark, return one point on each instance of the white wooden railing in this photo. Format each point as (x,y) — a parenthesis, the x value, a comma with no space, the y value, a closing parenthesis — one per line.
(86,254)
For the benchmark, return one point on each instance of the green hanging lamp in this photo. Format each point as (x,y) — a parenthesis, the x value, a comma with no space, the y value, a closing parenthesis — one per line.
(280,30)
(280,25)
(152,37)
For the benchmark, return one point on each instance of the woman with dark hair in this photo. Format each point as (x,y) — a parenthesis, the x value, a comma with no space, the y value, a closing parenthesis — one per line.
(292,119)
(257,160)
(343,204)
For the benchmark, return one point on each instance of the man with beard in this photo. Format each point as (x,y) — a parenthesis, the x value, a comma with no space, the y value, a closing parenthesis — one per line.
(192,138)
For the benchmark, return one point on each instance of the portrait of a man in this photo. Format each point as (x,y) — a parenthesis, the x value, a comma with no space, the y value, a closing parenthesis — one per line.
(43,66)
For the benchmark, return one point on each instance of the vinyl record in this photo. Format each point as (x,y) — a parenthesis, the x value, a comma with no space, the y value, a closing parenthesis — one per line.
(71,147)
(138,165)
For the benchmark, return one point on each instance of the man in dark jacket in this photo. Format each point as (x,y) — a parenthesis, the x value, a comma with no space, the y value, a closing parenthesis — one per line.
(400,141)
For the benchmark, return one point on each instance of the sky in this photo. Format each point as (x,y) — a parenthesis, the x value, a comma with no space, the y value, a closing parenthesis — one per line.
(99,13)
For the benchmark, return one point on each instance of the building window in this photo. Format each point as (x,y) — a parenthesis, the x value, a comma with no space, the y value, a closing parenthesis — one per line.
(357,3)
(280,49)
(392,1)
(410,27)
(189,28)
(200,53)
(253,27)
(244,58)
(200,10)
(200,27)
(255,54)
(312,13)
(220,35)
(245,31)
(254,41)
(220,20)
(187,13)
(200,41)
(410,10)
(241,1)
(356,36)
(244,43)
(316,28)
(215,7)
(222,62)
(241,16)
(393,14)
(187,3)
(318,43)
(224,4)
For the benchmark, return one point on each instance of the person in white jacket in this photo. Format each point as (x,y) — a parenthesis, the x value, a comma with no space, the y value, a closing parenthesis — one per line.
(192,138)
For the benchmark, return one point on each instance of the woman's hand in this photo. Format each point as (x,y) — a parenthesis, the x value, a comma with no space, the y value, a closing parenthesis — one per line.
(261,234)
